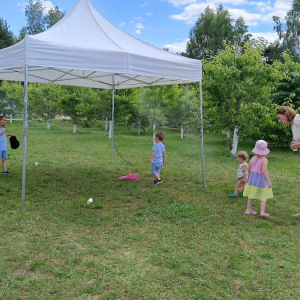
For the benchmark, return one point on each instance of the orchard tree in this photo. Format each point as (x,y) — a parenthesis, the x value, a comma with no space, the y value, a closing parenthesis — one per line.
(153,103)
(211,29)
(138,117)
(129,109)
(235,80)
(104,109)
(183,107)
(12,93)
(44,101)
(79,103)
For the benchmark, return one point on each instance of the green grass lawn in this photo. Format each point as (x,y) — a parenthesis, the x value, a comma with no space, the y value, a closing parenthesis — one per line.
(137,240)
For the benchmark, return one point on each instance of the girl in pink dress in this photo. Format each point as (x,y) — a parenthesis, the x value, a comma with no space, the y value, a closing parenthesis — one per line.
(258,186)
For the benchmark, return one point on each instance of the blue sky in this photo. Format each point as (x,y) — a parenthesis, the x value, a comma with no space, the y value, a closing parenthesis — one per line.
(163,23)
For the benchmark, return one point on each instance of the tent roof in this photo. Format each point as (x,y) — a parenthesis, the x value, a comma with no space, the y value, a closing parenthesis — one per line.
(85,49)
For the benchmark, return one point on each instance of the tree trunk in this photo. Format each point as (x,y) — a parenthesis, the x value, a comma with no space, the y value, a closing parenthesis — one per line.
(74,128)
(181,132)
(10,118)
(48,123)
(110,130)
(106,124)
(61,120)
(154,127)
(237,126)
(139,130)
(235,140)
(228,133)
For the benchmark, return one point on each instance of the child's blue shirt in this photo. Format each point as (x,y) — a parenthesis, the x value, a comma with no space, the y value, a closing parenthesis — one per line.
(160,150)
(3,141)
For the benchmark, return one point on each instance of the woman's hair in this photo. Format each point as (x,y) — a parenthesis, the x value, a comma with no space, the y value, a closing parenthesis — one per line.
(289,112)
(160,136)
(243,155)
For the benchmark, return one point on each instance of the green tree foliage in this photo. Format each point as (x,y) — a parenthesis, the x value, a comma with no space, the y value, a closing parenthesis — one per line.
(36,19)
(238,85)
(44,101)
(212,28)
(12,93)
(153,103)
(288,89)
(125,104)
(6,36)
(182,106)
(288,34)
(81,104)
(54,15)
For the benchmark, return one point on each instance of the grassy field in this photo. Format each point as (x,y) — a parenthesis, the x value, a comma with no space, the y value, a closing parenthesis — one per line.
(137,240)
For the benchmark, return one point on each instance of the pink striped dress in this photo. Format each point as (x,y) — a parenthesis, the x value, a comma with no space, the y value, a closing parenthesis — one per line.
(256,187)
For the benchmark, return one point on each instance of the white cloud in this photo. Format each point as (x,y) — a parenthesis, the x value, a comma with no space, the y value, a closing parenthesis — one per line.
(137,31)
(250,18)
(269,36)
(149,14)
(46,4)
(280,9)
(122,24)
(23,5)
(132,22)
(139,26)
(144,4)
(229,2)
(191,12)
(177,47)
(137,18)
(180,2)
(261,6)
(261,11)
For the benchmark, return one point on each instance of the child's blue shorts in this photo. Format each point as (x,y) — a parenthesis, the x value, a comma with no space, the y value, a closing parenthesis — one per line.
(3,154)
(156,167)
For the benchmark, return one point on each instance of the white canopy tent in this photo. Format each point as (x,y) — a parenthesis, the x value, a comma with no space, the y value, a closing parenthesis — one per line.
(84,49)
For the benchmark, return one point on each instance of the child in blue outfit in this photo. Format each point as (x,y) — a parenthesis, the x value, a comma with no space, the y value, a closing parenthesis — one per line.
(158,157)
(3,144)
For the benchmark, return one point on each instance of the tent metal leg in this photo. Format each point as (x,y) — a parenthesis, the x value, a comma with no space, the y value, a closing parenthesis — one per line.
(112,119)
(201,132)
(24,136)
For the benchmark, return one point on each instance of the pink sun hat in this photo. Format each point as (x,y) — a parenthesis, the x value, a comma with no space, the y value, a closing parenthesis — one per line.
(261,148)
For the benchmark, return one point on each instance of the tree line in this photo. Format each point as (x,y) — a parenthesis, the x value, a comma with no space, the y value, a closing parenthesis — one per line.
(244,80)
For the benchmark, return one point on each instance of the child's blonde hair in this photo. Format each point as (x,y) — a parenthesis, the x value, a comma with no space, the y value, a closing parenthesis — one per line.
(243,155)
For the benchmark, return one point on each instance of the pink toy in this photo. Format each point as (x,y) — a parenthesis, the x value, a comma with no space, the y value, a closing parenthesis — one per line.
(130,177)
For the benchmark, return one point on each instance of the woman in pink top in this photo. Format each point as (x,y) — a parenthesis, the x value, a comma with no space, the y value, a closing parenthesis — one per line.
(258,186)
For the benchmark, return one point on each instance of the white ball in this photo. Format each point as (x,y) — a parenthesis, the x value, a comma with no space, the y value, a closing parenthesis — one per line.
(90,201)
(36,164)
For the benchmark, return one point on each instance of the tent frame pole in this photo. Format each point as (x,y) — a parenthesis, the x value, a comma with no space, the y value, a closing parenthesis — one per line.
(112,118)
(201,133)
(24,136)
